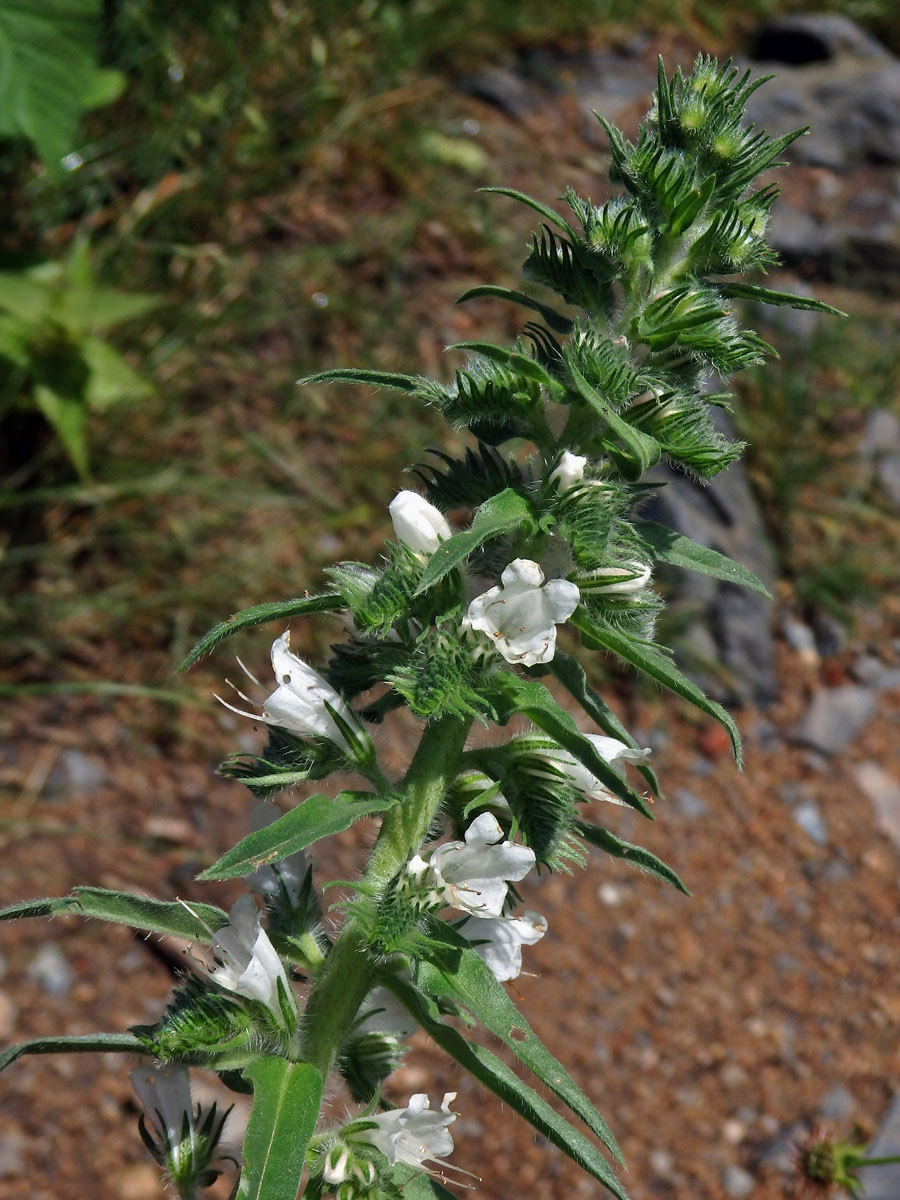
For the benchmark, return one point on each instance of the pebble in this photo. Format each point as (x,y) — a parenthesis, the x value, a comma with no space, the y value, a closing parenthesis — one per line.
(689,804)
(809,817)
(737,1182)
(883,792)
(662,1164)
(883,1182)
(139,1181)
(50,969)
(837,1104)
(12,1153)
(836,717)
(74,770)
(8,1014)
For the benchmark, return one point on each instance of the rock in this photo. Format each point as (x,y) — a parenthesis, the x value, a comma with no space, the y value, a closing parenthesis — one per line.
(809,817)
(689,804)
(835,718)
(883,1182)
(662,1164)
(879,452)
(12,1152)
(504,89)
(875,674)
(803,38)
(883,792)
(76,771)
(737,1182)
(51,971)
(801,638)
(837,1104)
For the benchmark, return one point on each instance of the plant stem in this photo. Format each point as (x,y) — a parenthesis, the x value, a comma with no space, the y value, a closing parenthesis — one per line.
(346,975)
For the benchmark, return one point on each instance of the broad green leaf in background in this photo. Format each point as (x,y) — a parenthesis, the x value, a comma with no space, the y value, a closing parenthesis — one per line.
(681,551)
(103,1043)
(452,969)
(259,614)
(312,819)
(503,512)
(140,912)
(68,416)
(598,635)
(286,1100)
(48,72)
(533,700)
(491,1071)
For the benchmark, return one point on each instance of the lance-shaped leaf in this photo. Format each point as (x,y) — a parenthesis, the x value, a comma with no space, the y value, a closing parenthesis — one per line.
(641,451)
(638,856)
(286,1101)
(533,700)
(764,295)
(495,1075)
(102,1043)
(506,511)
(514,359)
(557,322)
(315,818)
(278,610)
(681,551)
(452,969)
(380,379)
(539,207)
(570,673)
(598,635)
(122,908)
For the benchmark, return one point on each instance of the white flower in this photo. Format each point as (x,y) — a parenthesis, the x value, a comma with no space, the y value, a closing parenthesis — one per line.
(298,703)
(382,1012)
(165,1093)
(616,753)
(569,471)
(415,1134)
(472,875)
(247,962)
(501,941)
(618,581)
(418,524)
(520,616)
(286,877)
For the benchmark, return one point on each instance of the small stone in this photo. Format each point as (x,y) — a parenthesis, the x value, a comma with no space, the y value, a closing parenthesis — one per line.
(879,451)
(883,792)
(662,1164)
(77,771)
(737,1182)
(689,804)
(836,717)
(809,817)
(171,829)
(8,1014)
(610,894)
(837,1104)
(51,971)
(802,639)
(12,1153)
(140,1181)
(734,1131)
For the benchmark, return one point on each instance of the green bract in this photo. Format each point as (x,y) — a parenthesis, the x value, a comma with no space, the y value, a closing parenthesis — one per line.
(528,538)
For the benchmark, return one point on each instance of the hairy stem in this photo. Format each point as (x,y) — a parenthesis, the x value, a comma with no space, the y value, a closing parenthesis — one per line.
(346,975)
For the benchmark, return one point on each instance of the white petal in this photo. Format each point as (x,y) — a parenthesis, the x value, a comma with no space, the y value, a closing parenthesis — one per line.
(522,571)
(563,597)
(485,828)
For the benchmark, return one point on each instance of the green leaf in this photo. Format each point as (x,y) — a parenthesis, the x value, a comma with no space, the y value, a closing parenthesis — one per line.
(111,379)
(636,855)
(48,72)
(681,551)
(511,358)
(453,970)
(571,675)
(495,1075)
(379,379)
(103,1043)
(648,659)
(533,700)
(140,912)
(544,209)
(641,451)
(286,1101)
(501,513)
(752,291)
(68,416)
(279,610)
(314,818)
(557,322)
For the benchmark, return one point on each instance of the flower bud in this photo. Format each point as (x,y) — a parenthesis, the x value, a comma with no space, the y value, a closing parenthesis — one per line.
(418,524)
(569,471)
(615,581)
(336,1168)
